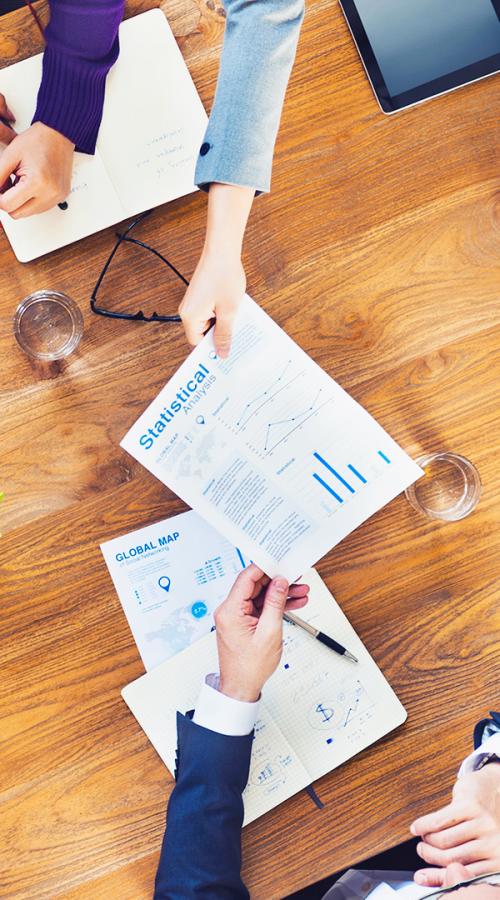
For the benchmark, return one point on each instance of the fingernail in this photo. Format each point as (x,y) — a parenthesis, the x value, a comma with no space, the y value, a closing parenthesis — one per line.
(419,849)
(413,829)
(280,584)
(420,878)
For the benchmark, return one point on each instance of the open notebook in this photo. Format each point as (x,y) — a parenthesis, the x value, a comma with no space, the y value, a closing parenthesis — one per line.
(317,710)
(152,128)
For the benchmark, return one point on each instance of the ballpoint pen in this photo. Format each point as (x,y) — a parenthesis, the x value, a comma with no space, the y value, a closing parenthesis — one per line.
(320,636)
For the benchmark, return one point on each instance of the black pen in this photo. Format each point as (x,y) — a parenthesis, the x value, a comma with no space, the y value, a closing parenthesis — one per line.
(320,636)
(64,204)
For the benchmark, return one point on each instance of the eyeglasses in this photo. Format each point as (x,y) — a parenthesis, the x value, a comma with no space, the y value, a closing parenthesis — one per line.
(493,879)
(125,238)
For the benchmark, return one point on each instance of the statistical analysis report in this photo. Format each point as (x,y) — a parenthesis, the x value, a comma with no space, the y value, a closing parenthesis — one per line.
(268,448)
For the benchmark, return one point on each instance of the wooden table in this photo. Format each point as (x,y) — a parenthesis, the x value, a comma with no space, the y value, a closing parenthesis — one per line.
(378,251)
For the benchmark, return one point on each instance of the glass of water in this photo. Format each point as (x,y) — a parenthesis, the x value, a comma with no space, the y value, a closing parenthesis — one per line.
(450,488)
(48,325)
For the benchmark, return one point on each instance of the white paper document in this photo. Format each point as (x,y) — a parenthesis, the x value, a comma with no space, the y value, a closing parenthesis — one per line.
(170,577)
(318,709)
(152,127)
(268,448)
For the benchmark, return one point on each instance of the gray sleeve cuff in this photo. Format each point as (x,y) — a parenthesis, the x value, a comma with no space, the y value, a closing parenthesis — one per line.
(257,57)
(216,165)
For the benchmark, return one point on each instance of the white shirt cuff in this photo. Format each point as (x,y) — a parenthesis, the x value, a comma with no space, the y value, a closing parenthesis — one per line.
(223,714)
(490,745)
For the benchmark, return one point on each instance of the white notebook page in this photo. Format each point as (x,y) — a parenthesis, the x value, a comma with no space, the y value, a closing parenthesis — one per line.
(154,121)
(276,773)
(295,742)
(328,707)
(93,202)
(153,124)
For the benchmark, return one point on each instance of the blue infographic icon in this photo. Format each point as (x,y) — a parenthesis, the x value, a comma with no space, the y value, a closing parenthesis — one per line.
(199,609)
(164,582)
(200,420)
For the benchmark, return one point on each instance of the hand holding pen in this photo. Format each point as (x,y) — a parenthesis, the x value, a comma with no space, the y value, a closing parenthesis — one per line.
(35,167)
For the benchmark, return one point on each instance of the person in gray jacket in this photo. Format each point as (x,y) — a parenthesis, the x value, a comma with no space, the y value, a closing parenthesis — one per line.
(236,155)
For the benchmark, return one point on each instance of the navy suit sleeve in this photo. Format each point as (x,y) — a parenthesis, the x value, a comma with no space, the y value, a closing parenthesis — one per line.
(485,728)
(201,851)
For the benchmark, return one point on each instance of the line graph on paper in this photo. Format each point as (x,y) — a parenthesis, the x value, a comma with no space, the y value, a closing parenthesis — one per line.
(276,409)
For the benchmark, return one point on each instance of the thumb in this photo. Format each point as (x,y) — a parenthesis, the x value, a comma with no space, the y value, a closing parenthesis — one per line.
(223,332)
(7,134)
(9,160)
(455,873)
(274,603)
(5,112)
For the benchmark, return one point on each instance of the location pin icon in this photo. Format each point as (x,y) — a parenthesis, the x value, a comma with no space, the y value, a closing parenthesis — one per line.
(164,583)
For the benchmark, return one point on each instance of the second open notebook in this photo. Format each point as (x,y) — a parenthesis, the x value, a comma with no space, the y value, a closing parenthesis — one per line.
(317,710)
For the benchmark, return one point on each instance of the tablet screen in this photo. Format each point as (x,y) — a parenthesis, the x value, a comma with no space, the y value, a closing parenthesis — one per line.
(416,41)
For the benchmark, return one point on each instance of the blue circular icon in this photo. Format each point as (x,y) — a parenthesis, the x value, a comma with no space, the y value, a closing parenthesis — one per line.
(199,609)
(164,582)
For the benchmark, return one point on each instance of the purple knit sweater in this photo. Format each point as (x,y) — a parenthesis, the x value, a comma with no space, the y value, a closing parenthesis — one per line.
(82,45)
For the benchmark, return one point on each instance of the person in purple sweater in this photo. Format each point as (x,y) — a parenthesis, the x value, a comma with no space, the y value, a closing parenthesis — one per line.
(82,45)
(235,158)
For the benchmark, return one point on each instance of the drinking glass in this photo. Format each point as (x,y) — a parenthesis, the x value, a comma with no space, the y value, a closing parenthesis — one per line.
(48,325)
(450,488)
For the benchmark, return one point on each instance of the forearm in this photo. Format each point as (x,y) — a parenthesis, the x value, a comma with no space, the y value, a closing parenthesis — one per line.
(82,45)
(228,210)
(257,57)
(201,852)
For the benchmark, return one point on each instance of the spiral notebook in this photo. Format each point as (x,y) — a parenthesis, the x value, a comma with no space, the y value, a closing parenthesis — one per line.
(152,127)
(317,710)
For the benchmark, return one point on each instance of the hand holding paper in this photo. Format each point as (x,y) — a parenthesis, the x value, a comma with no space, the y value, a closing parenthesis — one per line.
(250,631)
(218,284)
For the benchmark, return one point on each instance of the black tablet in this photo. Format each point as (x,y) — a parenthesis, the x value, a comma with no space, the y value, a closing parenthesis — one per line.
(416,49)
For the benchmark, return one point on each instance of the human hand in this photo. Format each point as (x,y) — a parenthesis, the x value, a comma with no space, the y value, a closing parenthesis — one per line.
(41,160)
(249,628)
(7,133)
(218,284)
(465,832)
(215,292)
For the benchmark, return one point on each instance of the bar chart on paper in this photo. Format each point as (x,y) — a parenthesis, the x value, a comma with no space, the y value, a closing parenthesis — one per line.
(340,481)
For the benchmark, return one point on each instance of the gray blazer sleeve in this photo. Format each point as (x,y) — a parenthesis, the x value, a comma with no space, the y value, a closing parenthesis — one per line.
(257,57)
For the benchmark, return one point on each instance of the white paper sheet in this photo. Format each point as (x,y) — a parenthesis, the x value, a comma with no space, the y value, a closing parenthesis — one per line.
(268,448)
(170,577)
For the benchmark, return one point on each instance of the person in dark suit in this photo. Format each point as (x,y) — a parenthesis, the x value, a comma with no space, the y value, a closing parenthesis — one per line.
(201,851)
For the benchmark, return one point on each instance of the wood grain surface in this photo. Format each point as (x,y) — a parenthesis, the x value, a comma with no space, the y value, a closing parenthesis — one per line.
(378,251)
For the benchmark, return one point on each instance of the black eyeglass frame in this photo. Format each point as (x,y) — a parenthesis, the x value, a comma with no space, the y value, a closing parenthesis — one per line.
(138,316)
